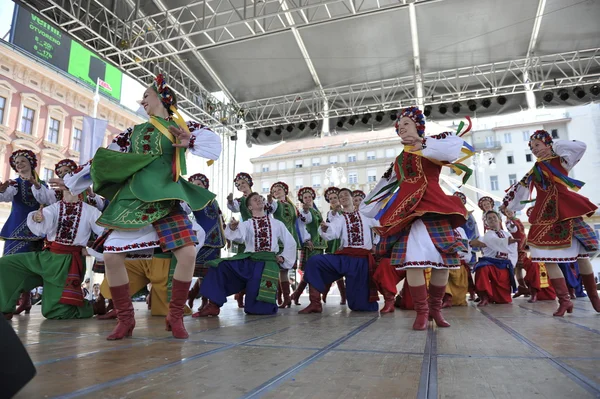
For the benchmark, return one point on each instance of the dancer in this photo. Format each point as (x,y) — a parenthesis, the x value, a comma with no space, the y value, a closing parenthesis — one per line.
(494,273)
(65,166)
(472,231)
(458,279)
(26,195)
(354,260)
(517,230)
(211,220)
(60,268)
(145,192)
(257,270)
(418,221)
(558,232)
(335,209)
(486,204)
(357,198)
(311,218)
(282,209)
(243,183)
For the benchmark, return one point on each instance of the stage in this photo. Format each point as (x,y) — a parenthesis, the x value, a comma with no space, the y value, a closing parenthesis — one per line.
(501,351)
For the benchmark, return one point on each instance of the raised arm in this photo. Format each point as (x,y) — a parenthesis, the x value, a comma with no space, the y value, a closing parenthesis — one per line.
(443,147)
(43,194)
(49,220)
(570,152)
(204,142)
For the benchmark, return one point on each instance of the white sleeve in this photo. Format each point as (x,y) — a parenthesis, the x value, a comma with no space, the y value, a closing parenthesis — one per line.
(200,233)
(466,256)
(290,248)
(443,147)
(511,226)
(334,230)
(570,152)
(44,195)
(236,235)
(186,208)
(95,215)
(234,206)
(80,180)
(205,143)
(99,257)
(97,201)
(305,216)
(122,142)
(45,226)
(8,194)
(514,196)
(373,207)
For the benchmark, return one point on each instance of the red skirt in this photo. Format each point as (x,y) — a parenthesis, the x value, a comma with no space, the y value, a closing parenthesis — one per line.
(495,282)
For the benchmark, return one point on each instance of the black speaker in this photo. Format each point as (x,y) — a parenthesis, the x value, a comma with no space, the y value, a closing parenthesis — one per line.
(16,367)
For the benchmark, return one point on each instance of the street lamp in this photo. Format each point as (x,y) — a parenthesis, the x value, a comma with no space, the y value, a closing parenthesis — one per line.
(482,160)
(334,176)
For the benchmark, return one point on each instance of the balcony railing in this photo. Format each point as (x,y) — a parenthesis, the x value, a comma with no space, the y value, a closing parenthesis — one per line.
(487,146)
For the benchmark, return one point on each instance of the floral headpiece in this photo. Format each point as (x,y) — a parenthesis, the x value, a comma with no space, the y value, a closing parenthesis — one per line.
(201,177)
(166,95)
(72,165)
(23,153)
(359,193)
(541,135)
(305,190)
(329,191)
(416,115)
(484,199)
(462,197)
(281,184)
(245,177)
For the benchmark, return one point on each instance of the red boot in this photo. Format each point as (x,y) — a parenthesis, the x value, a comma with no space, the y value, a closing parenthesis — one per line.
(485,299)
(436,295)
(240,299)
(279,294)
(315,302)
(447,302)
(193,293)
(285,290)
(342,288)
(590,288)
(298,292)
(24,303)
(203,304)
(174,320)
(571,292)
(7,316)
(324,293)
(419,297)
(533,295)
(564,299)
(208,311)
(125,313)
(388,306)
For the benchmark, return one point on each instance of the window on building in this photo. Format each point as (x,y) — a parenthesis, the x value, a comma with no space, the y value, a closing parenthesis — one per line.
(510,158)
(525,135)
(390,153)
(508,138)
(370,155)
(372,175)
(47,174)
(299,183)
(27,120)
(316,181)
(299,163)
(281,165)
(512,179)
(333,159)
(2,108)
(494,183)
(555,133)
(351,157)
(76,141)
(529,157)
(489,141)
(53,130)
(266,187)
(316,161)
(352,177)
(265,167)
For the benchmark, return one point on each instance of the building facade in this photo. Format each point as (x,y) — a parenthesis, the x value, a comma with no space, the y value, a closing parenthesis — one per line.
(42,110)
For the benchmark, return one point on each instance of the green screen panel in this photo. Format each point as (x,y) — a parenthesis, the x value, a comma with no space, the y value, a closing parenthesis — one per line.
(85,65)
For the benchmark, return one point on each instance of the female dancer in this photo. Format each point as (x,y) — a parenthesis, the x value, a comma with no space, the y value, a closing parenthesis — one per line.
(418,222)
(145,192)
(558,232)
(26,193)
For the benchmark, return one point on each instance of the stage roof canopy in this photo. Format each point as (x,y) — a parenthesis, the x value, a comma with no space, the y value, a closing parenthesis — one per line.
(284,62)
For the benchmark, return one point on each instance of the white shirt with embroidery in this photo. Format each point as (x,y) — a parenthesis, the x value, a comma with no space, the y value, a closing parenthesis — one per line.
(263,234)
(353,229)
(497,246)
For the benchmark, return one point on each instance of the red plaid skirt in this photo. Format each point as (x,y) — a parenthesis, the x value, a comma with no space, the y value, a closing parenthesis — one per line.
(175,231)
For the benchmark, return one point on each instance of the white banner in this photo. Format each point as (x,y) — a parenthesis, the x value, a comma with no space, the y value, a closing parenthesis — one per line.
(93,137)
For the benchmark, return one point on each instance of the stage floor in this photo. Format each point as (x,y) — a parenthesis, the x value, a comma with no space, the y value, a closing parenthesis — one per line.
(501,351)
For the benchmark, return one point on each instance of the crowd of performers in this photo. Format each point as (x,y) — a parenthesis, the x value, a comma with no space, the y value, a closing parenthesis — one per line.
(144,224)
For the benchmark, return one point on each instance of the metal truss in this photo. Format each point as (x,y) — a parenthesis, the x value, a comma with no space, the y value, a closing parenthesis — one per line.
(102,30)
(475,82)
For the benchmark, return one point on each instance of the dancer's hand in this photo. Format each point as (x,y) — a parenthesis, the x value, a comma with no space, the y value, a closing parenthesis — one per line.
(39,215)
(233,225)
(90,192)
(280,259)
(57,184)
(512,240)
(230,198)
(309,244)
(477,243)
(34,182)
(181,135)
(324,226)
(4,186)
(269,198)
(502,208)
(306,207)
